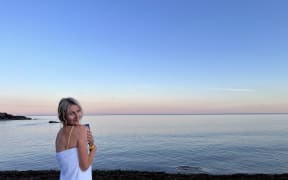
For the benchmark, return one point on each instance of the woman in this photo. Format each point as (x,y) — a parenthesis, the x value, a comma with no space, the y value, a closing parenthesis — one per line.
(73,154)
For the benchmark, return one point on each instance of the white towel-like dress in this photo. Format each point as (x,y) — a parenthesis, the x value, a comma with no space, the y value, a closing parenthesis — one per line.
(69,166)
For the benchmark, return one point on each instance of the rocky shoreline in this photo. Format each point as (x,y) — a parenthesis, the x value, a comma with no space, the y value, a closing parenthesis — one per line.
(6,116)
(138,175)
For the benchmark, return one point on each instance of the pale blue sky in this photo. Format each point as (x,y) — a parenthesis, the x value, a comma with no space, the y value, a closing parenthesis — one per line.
(144,56)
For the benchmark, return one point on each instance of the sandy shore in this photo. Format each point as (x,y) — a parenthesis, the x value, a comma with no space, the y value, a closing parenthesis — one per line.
(131,175)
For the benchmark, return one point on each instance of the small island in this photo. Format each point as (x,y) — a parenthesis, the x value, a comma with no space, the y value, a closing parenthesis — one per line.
(6,116)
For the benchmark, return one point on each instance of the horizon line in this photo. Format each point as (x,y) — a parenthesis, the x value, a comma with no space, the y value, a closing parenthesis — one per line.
(110,114)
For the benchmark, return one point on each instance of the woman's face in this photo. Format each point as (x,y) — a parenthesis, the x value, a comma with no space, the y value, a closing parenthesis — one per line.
(74,115)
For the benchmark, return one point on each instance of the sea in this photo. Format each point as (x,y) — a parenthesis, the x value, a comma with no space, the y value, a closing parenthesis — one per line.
(188,144)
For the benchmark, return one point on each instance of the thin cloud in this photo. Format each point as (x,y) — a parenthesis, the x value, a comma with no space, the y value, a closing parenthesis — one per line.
(233,89)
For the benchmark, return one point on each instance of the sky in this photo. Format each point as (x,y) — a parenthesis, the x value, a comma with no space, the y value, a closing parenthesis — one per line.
(144,56)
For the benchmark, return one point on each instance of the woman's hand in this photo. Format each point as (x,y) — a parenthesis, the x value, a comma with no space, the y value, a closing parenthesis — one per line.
(90,137)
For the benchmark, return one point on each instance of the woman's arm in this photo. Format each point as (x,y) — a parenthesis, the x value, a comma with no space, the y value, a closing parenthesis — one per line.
(85,157)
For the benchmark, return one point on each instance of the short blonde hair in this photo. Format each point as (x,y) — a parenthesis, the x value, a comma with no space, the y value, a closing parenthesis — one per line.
(64,105)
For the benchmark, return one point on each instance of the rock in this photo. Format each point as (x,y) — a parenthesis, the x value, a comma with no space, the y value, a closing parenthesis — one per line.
(53,122)
(124,175)
(6,116)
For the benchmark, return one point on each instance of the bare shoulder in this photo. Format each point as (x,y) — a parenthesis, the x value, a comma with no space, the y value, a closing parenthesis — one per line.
(81,130)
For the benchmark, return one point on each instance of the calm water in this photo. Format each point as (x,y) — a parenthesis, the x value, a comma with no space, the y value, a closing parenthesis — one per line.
(215,144)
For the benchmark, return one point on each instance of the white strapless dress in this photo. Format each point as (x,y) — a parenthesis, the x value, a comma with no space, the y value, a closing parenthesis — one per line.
(69,166)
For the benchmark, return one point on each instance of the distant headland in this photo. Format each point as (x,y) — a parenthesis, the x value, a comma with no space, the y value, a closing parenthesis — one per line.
(6,116)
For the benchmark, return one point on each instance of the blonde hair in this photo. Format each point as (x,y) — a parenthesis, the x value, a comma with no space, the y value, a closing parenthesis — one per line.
(64,105)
